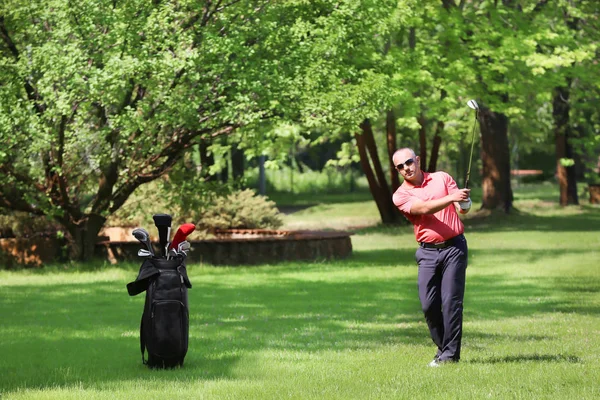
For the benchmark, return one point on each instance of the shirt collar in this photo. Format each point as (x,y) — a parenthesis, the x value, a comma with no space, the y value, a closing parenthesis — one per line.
(426,177)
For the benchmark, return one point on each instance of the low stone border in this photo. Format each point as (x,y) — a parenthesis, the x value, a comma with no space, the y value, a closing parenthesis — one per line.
(256,248)
(248,247)
(229,247)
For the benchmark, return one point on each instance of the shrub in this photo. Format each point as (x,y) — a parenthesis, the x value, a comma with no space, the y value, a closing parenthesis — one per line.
(23,225)
(240,210)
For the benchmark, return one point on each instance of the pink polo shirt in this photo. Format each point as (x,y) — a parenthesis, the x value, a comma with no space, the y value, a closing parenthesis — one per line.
(430,228)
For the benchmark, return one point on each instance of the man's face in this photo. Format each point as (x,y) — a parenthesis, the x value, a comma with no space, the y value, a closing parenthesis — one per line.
(407,164)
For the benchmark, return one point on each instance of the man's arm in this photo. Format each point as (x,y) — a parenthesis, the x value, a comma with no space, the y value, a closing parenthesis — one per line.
(420,207)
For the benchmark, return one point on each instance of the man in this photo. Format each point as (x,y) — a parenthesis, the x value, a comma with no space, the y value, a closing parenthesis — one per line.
(429,201)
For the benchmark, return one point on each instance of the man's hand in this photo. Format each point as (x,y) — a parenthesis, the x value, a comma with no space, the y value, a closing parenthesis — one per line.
(465,206)
(460,195)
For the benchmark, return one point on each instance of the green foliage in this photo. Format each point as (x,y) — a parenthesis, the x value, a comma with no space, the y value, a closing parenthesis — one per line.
(291,180)
(23,225)
(107,96)
(239,210)
(100,98)
(182,200)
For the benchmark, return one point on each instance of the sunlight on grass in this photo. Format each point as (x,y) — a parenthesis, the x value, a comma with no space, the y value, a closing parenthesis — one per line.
(334,216)
(346,329)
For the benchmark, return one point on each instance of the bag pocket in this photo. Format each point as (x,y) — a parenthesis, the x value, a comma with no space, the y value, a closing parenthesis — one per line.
(169,333)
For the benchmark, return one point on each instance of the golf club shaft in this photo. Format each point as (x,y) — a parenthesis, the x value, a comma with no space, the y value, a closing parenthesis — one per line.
(471,155)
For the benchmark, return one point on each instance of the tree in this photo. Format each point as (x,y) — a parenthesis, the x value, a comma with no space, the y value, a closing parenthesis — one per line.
(402,59)
(98,99)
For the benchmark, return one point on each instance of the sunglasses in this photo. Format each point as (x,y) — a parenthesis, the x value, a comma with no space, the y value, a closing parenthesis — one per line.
(407,163)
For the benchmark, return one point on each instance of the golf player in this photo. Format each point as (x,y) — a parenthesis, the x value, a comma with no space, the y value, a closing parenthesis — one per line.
(430,201)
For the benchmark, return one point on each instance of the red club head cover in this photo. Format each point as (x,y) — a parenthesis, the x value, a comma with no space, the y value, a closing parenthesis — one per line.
(182,233)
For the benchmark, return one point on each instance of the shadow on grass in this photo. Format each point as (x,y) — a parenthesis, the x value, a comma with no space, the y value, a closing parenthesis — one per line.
(587,221)
(396,258)
(70,334)
(285,199)
(76,267)
(88,333)
(563,358)
(403,257)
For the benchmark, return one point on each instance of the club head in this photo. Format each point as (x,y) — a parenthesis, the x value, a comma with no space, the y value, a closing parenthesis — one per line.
(141,234)
(473,104)
(163,223)
(171,254)
(144,238)
(182,232)
(183,247)
(144,253)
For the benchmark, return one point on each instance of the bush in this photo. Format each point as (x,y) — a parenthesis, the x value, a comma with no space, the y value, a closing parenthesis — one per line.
(240,210)
(24,225)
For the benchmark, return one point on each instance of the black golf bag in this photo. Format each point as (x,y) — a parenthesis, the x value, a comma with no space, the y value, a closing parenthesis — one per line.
(164,329)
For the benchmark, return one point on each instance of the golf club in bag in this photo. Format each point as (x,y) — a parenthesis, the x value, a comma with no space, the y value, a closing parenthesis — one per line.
(164,329)
(163,224)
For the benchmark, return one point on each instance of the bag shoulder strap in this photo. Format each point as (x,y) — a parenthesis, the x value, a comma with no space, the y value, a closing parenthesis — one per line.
(142,342)
(147,271)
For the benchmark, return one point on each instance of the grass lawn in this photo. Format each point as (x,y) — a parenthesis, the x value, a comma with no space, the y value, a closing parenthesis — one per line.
(350,329)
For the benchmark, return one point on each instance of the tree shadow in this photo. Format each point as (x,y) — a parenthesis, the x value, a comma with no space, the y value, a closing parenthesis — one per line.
(394,258)
(586,221)
(563,358)
(88,333)
(291,209)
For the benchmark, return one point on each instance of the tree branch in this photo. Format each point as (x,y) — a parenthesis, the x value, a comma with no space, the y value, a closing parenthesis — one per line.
(32,94)
(6,38)
(14,198)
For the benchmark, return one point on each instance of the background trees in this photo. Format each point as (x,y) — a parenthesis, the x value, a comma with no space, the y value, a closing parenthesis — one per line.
(98,99)
(101,98)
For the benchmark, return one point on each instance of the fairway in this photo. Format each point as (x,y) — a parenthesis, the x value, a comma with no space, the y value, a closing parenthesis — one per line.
(349,329)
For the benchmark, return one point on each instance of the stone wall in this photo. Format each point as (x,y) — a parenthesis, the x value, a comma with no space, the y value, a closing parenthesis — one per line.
(235,247)
(301,245)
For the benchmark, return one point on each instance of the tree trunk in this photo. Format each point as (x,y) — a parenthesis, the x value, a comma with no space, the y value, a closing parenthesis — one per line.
(83,236)
(495,155)
(566,176)
(435,147)
(367,149)
(390,125)
(206,161)
(237,162)
(422,140)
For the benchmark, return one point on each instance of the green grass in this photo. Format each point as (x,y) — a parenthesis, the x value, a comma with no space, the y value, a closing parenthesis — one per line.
(350,329)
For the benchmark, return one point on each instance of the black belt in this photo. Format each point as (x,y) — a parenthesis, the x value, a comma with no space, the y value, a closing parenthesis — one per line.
(440,245)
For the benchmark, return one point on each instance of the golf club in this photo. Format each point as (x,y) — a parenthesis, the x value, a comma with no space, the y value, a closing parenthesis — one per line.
(473,105)
(172,253)
(144,253)
(142,235)
(163,224)
(182,233)
(183,248)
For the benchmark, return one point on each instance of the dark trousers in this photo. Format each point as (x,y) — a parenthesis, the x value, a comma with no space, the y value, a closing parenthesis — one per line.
(441,291)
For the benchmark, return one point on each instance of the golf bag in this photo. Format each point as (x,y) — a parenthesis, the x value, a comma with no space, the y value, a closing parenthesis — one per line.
(164,330)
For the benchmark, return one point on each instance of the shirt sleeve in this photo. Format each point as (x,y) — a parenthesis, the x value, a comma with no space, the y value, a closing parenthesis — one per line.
(450,184)
(402,200)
